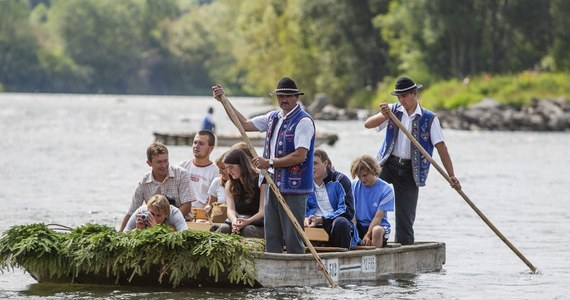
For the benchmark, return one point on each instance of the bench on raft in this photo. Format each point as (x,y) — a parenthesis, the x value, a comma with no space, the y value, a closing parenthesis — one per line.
(315,235)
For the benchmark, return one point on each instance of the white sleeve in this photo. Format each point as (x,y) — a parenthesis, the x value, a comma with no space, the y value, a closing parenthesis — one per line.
(304,132)
(212,191)
(381,126)
(385,123)
(132,223)
(261,122)
(435,132)
(176,219)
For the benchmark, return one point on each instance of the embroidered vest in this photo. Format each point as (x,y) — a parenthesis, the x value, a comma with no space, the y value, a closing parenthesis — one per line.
(296,179)
(421,127)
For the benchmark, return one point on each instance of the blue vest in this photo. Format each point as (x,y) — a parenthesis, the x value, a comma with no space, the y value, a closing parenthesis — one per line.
(296,179)
(421,127)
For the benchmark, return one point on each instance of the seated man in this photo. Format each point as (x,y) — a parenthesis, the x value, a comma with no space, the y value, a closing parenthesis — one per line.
(201,169)
(163,179)
(373,198)
(331,205)
(157,211)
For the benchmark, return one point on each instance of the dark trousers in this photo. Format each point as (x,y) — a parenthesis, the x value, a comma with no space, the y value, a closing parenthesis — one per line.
(278,226)
(340,232)
(406,192)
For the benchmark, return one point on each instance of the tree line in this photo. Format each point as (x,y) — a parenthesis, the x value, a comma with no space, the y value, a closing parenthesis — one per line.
(350,50)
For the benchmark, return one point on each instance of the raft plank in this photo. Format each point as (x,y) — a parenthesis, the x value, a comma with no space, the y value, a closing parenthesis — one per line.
(199,213)
(199,226)
(314,234)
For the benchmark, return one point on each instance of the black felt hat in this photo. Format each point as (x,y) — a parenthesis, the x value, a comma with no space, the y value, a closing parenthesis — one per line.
(287,86)
(405,85)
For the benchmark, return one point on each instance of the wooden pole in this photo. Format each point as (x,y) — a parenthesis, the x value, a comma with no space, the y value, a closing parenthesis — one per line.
(473,206)
(235,120)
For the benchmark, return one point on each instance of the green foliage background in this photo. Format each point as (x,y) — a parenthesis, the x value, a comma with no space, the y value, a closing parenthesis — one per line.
(351,50)
(515,90)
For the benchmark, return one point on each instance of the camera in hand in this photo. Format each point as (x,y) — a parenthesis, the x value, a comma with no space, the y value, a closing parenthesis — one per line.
(144,216)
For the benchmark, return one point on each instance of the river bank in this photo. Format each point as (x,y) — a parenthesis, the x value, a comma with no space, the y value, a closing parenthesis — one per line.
(489,114)
(540,115)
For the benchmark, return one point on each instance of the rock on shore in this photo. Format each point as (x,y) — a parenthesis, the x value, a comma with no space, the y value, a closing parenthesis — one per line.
(540,115)
(322,109)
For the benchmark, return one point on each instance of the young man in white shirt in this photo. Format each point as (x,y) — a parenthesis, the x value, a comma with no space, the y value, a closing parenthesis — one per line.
(202,170)
(402,163)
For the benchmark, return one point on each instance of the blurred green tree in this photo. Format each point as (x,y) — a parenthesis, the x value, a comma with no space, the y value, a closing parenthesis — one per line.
(104,37)
(560,50)
(19,65)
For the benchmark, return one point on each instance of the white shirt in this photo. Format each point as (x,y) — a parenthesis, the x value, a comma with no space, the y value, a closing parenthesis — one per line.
(324,206)
(217,190)
(200,180)
(402,148)
(304,131)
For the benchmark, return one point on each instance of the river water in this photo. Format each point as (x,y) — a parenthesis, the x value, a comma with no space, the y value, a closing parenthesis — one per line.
(76,159)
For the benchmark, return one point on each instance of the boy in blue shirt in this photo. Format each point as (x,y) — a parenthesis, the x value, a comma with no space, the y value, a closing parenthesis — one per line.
(373,198)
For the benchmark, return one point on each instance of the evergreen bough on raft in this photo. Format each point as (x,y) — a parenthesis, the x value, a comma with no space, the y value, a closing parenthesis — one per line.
(100,249)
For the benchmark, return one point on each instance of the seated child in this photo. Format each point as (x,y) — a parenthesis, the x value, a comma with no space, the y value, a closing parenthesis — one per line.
(157,210)
(373,198)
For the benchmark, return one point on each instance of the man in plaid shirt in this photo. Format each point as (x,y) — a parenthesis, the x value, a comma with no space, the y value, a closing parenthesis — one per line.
(170,181)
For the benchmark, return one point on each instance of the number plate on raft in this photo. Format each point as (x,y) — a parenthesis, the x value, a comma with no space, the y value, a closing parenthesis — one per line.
(369,264)
(332,268)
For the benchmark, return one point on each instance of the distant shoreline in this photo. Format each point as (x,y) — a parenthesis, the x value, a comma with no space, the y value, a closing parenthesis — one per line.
(539,115)
(489,115)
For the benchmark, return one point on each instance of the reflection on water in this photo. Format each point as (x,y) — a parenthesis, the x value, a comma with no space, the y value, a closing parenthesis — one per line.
(76,159)
(87,291)
(382,288)
(399,285)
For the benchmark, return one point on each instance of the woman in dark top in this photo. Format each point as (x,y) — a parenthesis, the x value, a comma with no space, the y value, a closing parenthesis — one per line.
(243,197)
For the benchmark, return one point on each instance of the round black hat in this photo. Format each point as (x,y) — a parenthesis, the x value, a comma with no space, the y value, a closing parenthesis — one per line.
(287,86)
(405,85)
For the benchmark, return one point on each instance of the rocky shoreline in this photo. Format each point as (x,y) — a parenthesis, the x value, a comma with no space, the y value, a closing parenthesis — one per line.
(539,115)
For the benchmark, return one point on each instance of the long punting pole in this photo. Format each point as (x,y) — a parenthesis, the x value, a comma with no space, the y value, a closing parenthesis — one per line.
(473,206)
(235,120)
